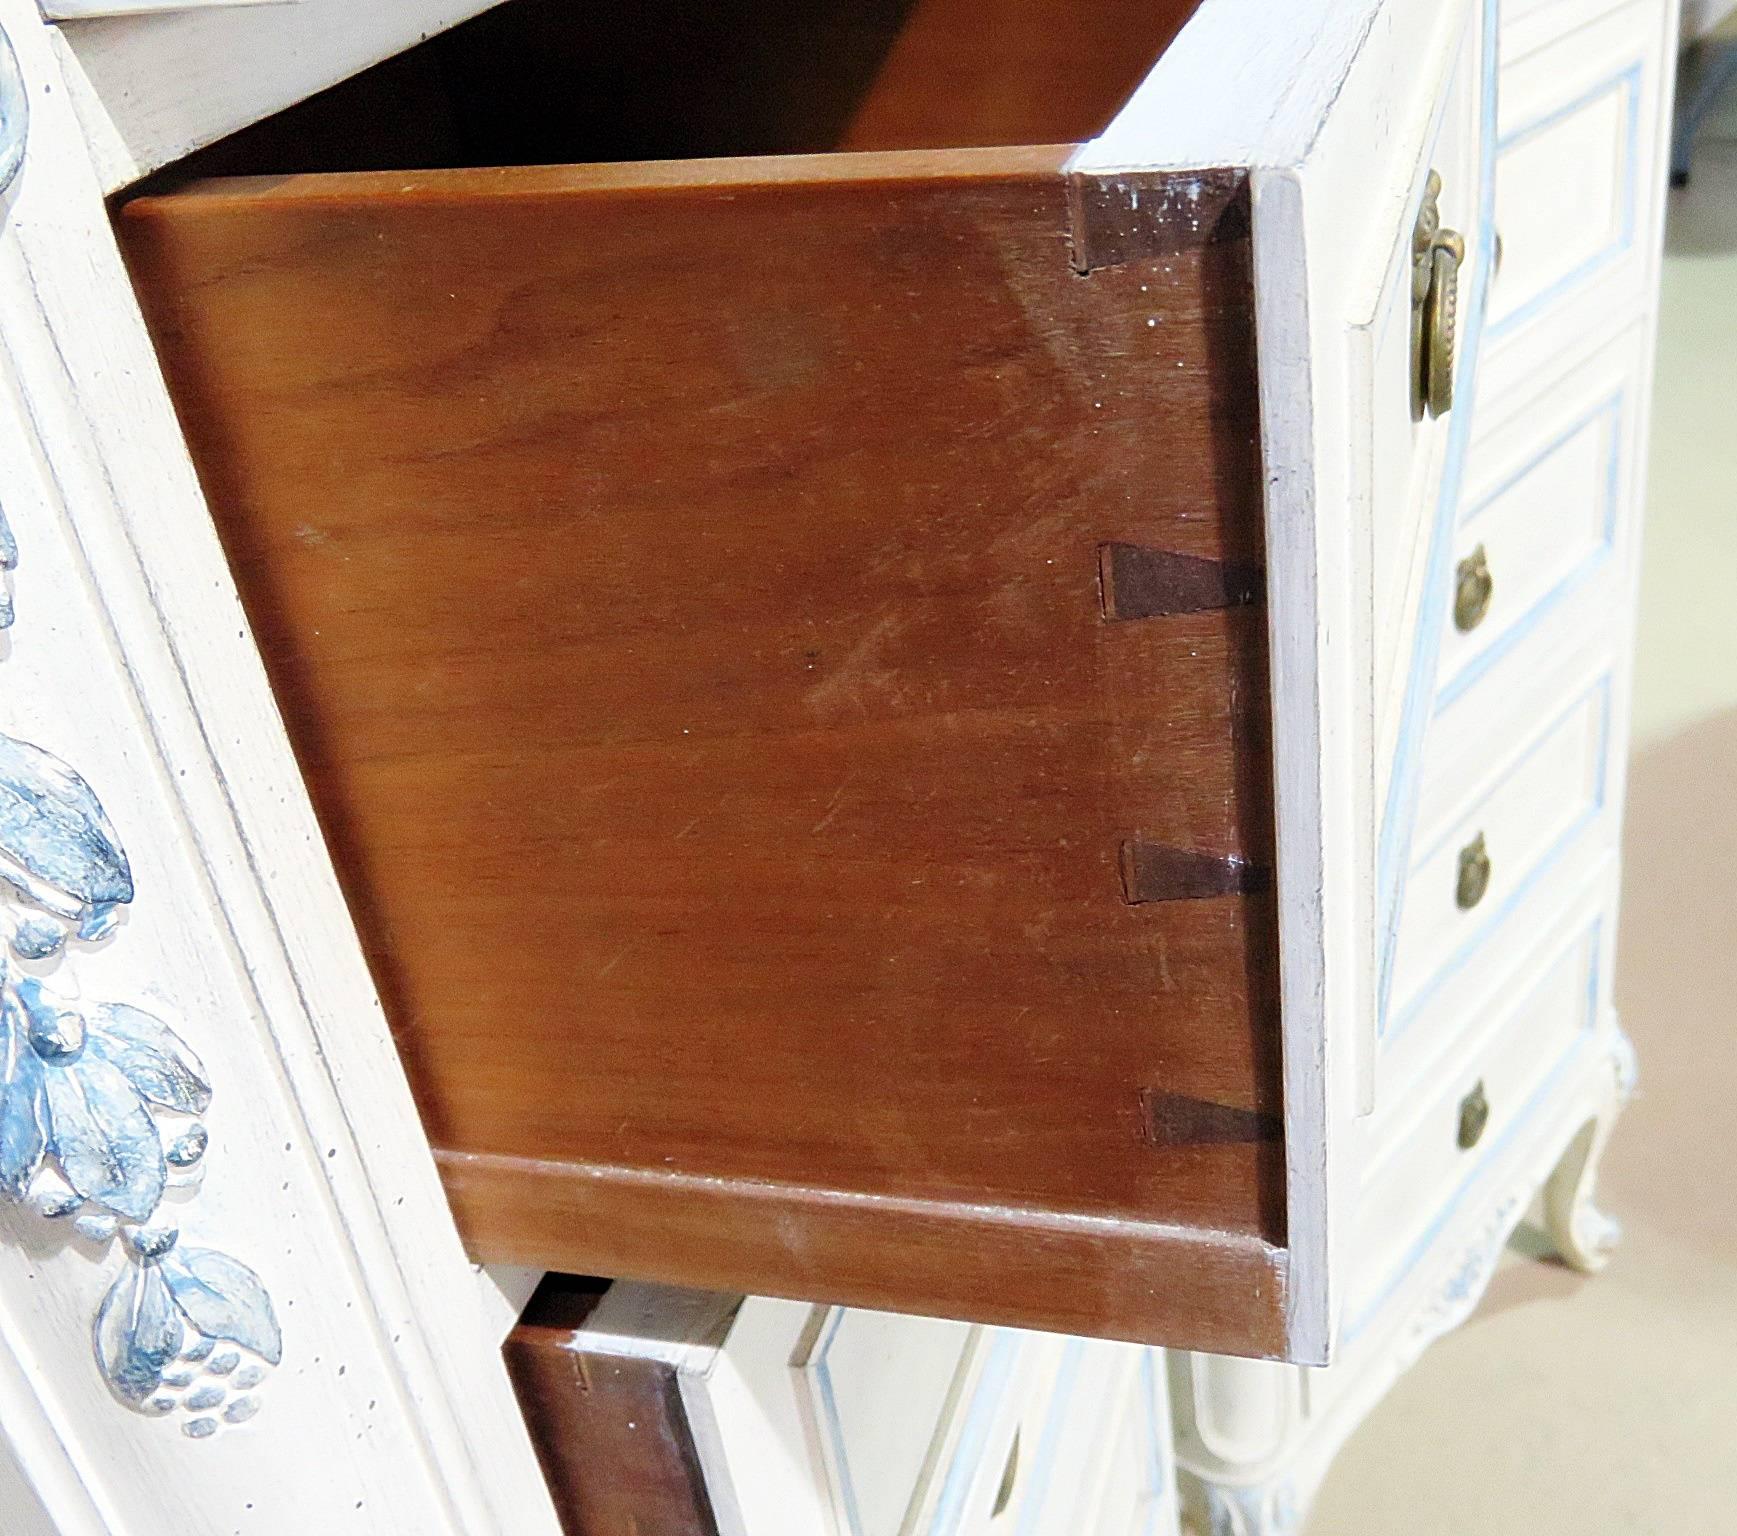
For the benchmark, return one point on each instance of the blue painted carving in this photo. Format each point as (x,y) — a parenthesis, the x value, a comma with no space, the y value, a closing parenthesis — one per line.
(138,1331)
(1258,1509)
(96,1109)
(223,1300)
(57,849)
(8,563)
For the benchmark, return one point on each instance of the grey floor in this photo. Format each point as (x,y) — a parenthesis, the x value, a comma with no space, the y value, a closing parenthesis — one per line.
(1609,1405)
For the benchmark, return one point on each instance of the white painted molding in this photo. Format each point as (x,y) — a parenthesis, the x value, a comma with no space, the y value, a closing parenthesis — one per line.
(390,1414)
(150,89)
(73,10)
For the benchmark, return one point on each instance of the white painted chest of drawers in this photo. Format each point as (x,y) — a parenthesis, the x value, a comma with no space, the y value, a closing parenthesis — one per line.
(1451,685)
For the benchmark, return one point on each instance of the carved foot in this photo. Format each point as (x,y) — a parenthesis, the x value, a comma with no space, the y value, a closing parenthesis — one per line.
(1260,1509)
(1583,1234)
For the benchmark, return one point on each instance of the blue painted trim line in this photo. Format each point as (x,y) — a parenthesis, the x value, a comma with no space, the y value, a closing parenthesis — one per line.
(1394,837)
(1628,79)
(1067,1377)
(834,1426)
(1480,1171)
(973,1439)
(1159,1444)
(1550,859)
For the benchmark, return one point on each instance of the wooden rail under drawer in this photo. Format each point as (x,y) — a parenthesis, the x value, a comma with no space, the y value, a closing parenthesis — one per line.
(779,654)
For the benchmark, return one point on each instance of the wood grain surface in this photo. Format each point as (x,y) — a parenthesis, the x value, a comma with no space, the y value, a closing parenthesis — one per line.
(611,1429)
(682,585)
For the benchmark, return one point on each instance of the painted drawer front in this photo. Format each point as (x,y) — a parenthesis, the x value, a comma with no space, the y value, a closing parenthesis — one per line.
(1524,1023)
(1531,24)
(1414,463)
(882,1390)
(1101,1460)
(1547,489)
(1530,807)
(1137,1496)
(1578,123)
(973,1481)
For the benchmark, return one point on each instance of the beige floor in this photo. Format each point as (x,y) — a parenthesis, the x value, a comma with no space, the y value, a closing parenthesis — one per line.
(1609,1405)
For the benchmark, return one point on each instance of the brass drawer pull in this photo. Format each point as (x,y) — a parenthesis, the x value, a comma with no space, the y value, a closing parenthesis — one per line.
(1436,254)
(1473,585)
(1474,875)
(1474,1116)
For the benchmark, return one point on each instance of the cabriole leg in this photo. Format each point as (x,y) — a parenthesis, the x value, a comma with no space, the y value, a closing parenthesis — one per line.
(1583,1234)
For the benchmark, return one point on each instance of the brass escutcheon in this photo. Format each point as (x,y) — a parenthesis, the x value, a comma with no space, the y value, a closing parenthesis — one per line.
(1474,878)
(1473,585)
(1474,1116)
(1436,254)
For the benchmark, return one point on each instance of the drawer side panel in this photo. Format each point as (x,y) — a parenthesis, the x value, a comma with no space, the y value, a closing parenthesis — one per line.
(687,601)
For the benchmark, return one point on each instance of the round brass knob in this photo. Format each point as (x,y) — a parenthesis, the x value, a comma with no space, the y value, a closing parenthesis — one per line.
(1473,585)
(1474,1116)
(1474,875)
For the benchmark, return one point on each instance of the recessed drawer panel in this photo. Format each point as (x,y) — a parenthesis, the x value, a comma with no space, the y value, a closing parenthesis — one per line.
(881,1390)
(1137,1496)
(1474,864)
(1574,188)
(1101,1461)
(1548,489)
(1429,1144)
(977,1473)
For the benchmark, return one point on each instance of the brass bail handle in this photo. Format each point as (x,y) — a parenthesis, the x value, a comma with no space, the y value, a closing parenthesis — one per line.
(1436,254)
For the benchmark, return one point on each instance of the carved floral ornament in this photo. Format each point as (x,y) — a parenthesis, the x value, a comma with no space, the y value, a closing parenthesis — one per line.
(100,1104)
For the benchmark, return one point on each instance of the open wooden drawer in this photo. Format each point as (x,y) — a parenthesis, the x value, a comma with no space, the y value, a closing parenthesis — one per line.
(839,686)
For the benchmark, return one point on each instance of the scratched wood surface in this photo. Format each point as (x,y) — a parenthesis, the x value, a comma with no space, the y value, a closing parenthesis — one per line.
(682,585)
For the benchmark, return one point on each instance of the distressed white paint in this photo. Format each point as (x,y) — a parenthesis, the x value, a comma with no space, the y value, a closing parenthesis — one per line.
(150,89)
(131,659)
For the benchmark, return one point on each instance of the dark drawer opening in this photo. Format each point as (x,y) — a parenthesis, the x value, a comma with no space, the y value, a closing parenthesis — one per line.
(554,82)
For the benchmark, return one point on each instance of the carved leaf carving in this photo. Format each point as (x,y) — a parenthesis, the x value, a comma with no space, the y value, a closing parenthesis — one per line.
(150,1055)
(77,1086)
(223,1299)
(56,845)
(23,1103)
(138,1331)
(104,1137)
